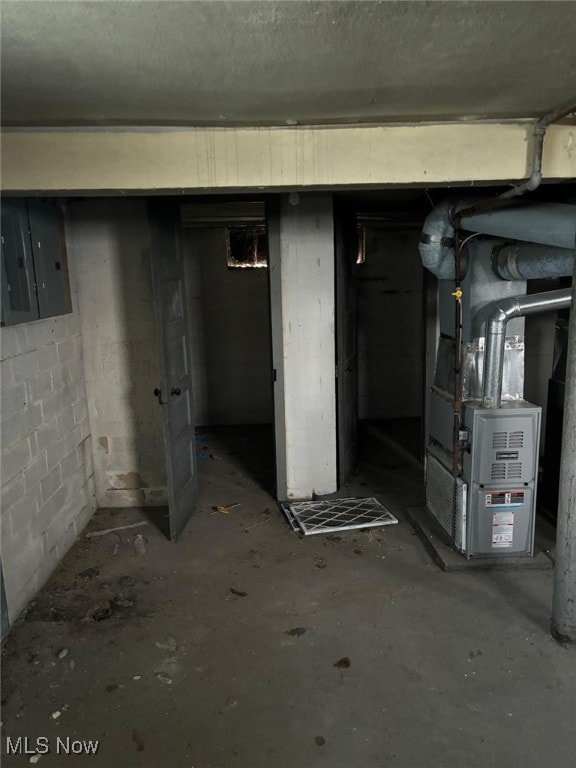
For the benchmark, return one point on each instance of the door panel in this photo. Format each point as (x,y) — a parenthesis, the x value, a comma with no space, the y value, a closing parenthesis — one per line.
(177,358)
(176,386)
(346,344)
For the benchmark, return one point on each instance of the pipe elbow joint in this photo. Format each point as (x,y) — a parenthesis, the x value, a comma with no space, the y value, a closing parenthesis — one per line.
(502,313)
(534,181)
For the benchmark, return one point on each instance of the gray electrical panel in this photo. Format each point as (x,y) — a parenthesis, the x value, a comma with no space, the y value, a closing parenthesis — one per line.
(501,469)
(34,266)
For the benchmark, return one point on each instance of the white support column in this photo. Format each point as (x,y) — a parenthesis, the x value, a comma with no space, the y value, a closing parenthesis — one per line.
(302,300)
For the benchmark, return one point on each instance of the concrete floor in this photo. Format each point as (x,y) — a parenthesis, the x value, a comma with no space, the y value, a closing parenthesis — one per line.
(222,651)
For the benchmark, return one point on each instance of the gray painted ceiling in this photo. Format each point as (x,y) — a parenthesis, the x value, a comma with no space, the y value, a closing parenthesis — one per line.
(271,62)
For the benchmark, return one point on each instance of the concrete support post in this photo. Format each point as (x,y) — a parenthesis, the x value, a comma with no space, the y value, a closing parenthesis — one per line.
(564,607)
(301,241)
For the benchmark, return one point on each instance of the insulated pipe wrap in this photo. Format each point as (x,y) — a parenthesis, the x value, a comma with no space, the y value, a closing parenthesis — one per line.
(545,223)
(549,224)
(436,244)
(529,262)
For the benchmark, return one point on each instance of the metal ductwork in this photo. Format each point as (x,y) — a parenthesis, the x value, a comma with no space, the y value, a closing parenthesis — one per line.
(482,436)
(516,306)
(436,244)
(525,261)
(549,224)
(545,223)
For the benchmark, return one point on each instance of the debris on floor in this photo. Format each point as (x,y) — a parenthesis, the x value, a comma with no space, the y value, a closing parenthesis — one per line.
(252,683)
(225,509)
(343,663)
(312,517)
(264,512)
(101,611)
(96,534)
(139,544)
(295,632)
(137,739)
(169,644)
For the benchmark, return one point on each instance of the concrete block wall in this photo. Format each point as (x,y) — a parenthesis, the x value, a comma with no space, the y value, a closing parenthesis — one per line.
(47,472)
(229,321)
(110,244)
(390,326)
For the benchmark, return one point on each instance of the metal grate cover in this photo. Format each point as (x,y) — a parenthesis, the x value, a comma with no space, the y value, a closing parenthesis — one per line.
(337,515)
(446,500)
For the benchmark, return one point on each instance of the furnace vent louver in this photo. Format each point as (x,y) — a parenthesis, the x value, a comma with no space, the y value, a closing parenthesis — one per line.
(512,440)
(506,471)
(498,472)
(516,440)
(500,440)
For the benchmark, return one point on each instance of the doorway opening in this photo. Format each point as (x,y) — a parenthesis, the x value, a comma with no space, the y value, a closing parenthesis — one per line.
(228,307)
(380,349)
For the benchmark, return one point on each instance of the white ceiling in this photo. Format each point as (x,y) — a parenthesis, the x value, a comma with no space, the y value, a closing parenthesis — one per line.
(275,62)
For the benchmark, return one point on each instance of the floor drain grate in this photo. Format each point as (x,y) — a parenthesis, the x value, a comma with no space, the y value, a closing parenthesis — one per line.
(336,515)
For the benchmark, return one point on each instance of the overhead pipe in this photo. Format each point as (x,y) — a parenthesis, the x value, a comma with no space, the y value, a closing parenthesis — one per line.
(535,178)
(437,241)
(514,306)
(525,261)
(549,224)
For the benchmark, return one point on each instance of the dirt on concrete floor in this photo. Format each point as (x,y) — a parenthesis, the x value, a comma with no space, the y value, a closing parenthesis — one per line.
(245,645)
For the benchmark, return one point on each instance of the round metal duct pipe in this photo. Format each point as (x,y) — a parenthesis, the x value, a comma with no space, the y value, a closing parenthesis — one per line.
(515,306)
(525,261)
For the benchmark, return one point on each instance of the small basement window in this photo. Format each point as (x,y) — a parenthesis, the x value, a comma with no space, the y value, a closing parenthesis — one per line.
(246,247)
(35,281)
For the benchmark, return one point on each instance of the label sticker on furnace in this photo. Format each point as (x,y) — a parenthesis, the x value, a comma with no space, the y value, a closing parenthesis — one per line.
(502,530)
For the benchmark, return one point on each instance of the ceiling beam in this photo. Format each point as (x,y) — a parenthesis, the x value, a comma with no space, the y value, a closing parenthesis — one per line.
(165,161)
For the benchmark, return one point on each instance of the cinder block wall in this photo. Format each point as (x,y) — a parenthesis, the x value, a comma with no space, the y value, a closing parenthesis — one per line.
(48,491)
(390,326)
(110,243)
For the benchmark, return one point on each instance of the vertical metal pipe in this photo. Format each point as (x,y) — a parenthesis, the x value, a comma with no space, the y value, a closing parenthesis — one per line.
(513,306)
(494,362)
(564,603)
(457,402)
